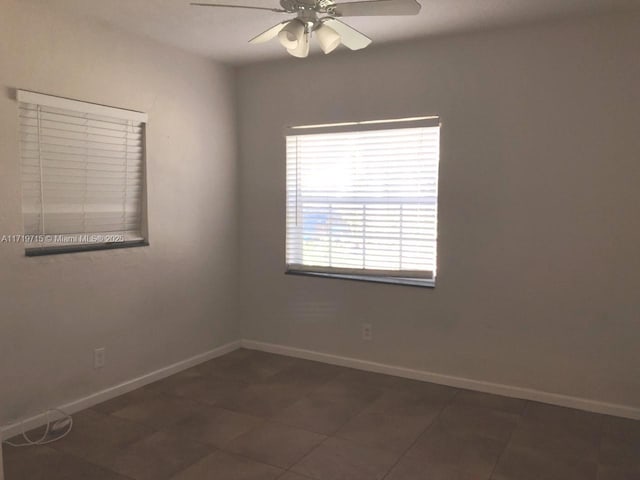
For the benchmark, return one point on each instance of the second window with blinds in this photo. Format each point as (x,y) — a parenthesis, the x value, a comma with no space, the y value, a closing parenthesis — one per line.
(362,200)
(83,175)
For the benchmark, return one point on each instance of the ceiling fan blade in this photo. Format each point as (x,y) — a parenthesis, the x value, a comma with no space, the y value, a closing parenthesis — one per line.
(268,34)
(237,6)
(351,38)
(378,8)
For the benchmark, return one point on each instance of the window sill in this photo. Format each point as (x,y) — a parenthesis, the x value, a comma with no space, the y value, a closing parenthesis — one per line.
(411,282)
(42,251)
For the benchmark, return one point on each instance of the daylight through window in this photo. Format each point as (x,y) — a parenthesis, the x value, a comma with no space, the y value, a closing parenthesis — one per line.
(362,200)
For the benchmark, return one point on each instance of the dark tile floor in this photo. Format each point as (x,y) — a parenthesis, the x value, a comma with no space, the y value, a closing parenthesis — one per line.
(256,416)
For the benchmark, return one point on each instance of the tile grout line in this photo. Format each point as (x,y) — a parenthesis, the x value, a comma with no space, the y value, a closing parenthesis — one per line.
(508,442)
(78,458)
(124,446)
(284,469)
(211,448)
(327,437)
(295,473)
(333,435)
(427,428)
(600,441)
(305,456)
(262,423)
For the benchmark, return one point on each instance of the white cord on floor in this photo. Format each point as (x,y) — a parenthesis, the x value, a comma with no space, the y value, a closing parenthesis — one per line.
(44,440)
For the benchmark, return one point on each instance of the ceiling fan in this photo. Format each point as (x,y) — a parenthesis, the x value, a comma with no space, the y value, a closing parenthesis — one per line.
(320,17)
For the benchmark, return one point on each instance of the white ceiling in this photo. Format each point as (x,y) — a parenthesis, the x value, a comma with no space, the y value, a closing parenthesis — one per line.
(222,34)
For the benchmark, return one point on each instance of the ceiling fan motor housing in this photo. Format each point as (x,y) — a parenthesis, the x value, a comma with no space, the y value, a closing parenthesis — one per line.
(316,6)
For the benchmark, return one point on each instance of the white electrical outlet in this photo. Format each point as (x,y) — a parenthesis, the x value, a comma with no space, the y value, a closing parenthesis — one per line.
(367,331)
(99,357)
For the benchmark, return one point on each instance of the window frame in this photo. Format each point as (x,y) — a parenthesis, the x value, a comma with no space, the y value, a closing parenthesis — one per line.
(75,243)
(393,277)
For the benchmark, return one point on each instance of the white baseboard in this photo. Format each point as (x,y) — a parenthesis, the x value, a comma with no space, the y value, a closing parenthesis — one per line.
(459,382)
(79,404)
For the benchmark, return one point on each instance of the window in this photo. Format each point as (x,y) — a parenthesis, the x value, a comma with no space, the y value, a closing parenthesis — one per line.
(83,175)
(362,200)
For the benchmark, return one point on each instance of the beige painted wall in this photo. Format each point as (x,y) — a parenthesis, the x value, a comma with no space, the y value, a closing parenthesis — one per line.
(539,261)
(150,307)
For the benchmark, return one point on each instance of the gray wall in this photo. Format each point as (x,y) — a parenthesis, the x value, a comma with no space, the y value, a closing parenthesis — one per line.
(150,307)
(539,265)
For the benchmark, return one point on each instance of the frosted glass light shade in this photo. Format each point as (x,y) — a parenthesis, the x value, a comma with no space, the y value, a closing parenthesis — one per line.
(291,35)
(328,38)
(302,50)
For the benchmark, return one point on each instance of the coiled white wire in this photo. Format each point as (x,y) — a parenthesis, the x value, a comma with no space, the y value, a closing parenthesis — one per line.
(28,442)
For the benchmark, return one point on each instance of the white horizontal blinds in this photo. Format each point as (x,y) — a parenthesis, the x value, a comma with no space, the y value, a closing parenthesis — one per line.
(364,201)
(82,171)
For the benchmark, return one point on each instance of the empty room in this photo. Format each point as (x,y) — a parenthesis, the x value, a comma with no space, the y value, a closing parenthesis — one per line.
(320,239)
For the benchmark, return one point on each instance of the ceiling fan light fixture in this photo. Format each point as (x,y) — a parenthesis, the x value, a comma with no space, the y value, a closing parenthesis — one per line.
(328,38)
(323,18)
(292,34)
(302,50)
